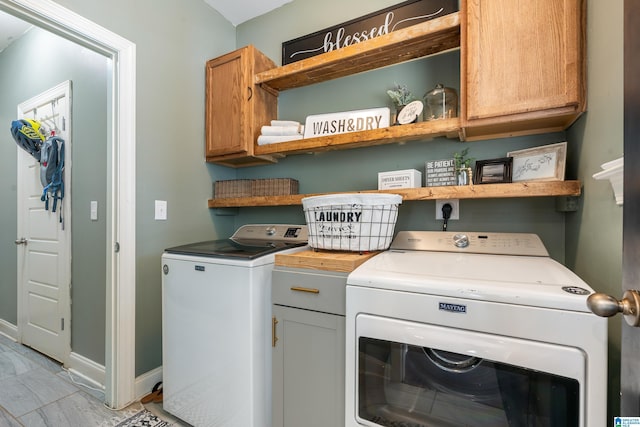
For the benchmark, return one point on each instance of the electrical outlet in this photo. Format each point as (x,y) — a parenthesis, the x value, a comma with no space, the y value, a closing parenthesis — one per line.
(455,211)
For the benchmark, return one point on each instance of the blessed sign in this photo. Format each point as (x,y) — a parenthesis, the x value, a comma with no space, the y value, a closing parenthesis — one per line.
(366,27)
(345,122)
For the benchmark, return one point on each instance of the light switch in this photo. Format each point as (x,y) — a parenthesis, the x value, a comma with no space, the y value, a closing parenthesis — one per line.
(161,210)
(93,215)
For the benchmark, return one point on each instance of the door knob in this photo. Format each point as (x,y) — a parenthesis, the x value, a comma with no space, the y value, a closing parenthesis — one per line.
(21,241)
(607,306)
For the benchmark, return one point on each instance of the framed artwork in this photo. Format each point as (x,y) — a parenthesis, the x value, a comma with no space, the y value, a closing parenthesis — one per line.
(493,171)
(545,163)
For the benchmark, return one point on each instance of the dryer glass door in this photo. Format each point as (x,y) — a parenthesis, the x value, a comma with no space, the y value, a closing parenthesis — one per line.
(424,375)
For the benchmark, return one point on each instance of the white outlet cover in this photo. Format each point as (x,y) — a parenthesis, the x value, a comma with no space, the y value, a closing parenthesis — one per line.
(455,211)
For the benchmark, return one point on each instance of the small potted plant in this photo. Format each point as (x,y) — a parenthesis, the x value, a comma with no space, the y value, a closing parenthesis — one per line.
(463,167)
(401,96)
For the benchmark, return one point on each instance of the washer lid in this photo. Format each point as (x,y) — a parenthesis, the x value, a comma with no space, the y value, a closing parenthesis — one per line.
(248,242)
(522,280)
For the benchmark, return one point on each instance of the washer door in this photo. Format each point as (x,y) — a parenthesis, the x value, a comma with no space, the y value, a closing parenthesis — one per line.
(423,375)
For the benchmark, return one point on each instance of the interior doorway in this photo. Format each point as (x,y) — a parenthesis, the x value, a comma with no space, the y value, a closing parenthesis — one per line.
(121,183)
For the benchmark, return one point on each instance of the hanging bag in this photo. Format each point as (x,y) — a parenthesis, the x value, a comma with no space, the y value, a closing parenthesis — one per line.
(52,172)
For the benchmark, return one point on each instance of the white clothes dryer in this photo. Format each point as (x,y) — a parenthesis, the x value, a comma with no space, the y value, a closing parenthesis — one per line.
(477,329)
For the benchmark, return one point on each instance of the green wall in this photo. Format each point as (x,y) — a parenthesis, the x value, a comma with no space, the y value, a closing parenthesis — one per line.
(59,60)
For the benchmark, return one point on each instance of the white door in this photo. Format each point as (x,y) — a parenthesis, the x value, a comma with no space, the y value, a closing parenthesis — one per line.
(44,237)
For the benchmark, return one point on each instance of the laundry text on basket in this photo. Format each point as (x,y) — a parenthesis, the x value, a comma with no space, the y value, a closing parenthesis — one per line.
(337,216)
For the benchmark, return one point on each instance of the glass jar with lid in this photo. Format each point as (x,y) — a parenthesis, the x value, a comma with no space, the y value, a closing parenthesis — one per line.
(440,103)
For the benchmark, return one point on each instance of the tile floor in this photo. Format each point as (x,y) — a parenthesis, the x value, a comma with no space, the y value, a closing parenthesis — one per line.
(36,392)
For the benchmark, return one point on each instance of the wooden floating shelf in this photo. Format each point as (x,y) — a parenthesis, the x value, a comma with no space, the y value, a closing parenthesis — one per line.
(424,39)
(392,134)
(484,191)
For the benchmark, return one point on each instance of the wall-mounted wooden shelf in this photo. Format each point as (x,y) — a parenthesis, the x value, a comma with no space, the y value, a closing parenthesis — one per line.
(484,191)
(411,132)
(424,39)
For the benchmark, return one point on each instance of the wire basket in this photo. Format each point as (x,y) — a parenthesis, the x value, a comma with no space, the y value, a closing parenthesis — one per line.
(351,222)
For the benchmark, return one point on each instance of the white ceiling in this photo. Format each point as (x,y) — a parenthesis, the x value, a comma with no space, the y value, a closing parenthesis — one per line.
(11,29)
(239,11)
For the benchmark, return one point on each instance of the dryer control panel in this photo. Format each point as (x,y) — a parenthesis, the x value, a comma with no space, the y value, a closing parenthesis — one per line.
(470,242)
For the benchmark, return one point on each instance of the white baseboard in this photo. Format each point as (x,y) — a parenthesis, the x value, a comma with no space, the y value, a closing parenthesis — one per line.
(90,371)
(9,329)
(94,374)
(145,382)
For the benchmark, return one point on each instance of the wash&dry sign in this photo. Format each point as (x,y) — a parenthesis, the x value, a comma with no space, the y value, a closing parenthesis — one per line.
(367,27)
(347,121)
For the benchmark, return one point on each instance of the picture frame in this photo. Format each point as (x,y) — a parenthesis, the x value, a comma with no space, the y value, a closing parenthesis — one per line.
(544,163)
(493,171)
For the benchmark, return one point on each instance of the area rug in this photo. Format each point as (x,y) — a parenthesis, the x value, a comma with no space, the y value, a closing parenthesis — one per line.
(144,418)
(136,415)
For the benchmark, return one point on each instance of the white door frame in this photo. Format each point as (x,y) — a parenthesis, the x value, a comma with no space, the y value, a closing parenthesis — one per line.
(121,232)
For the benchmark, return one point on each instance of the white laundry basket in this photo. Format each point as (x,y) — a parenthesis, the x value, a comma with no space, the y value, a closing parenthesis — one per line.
(357,222)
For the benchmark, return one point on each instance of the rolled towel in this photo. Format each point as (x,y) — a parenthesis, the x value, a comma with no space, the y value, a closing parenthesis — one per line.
(284,123)
(282,130)
(272,139)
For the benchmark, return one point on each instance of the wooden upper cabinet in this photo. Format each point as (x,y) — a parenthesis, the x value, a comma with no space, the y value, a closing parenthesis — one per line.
(523,66)
(236,108)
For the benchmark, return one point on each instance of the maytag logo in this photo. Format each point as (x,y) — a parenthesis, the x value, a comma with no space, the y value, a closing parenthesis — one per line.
(454,308)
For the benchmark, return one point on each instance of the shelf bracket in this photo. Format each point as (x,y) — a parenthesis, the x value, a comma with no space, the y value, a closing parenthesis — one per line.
(568,203)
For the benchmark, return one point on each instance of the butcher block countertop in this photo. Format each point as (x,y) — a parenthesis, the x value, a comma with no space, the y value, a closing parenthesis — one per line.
(324,260)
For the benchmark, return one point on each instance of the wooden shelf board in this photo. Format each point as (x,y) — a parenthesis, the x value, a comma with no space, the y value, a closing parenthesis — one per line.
(411,132)
(485,191)
(424,39)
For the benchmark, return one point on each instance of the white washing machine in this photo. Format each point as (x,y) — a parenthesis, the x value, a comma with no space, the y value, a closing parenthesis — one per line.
(216,326)
(472,329)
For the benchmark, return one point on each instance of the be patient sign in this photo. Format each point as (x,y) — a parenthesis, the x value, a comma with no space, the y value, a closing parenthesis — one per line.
(348,121)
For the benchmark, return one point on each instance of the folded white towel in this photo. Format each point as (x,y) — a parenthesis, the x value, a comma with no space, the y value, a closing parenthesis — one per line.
(284,123)
(271,139)
(282,130)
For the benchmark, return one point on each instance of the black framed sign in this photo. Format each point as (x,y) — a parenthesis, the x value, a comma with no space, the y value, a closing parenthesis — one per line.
(440,172)
(373,25)
(493,171)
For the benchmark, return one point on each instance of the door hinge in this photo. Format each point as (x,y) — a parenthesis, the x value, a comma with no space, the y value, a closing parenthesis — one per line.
(62,324)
